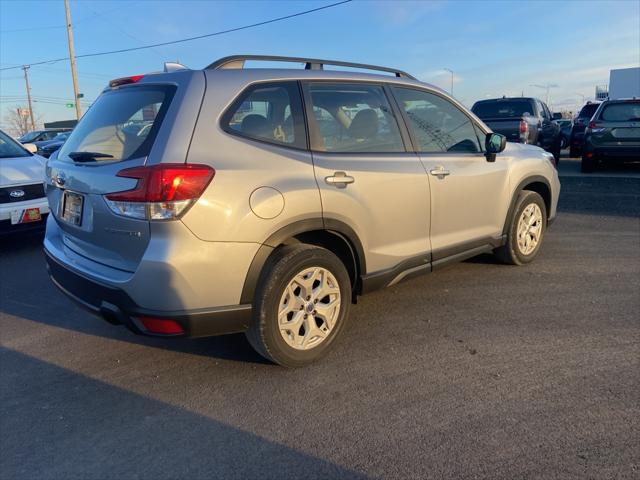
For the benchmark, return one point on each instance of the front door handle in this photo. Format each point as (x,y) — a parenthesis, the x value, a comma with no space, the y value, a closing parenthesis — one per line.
(339,179)
(439,172)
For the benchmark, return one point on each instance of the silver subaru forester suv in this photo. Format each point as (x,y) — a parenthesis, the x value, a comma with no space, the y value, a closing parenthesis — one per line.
(234,199)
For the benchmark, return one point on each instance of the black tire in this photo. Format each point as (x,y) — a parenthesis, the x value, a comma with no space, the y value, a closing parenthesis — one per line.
(588,165)
(573,152)
(556,150)
(264,334)
(510,252)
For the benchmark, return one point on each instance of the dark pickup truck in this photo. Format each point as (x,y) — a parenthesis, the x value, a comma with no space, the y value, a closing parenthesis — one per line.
(522,120)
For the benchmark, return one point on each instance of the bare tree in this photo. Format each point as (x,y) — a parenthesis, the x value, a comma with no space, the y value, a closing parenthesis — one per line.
(18,123)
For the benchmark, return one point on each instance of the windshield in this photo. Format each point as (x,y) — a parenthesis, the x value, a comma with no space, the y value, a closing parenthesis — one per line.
(503,108)
(621,112)
(588,110)
(120,125)
(9,148)
(30,136)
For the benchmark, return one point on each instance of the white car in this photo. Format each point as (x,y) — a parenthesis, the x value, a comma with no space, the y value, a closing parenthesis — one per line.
(23,204)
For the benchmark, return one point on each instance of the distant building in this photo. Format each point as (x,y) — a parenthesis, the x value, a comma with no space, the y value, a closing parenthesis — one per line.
(602,92)
(624,83)
(61,124)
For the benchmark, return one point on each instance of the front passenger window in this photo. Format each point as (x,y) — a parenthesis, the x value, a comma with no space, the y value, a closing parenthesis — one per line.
(437,124)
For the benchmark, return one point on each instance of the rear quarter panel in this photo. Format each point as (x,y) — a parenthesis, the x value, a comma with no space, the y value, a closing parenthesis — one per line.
(280,178)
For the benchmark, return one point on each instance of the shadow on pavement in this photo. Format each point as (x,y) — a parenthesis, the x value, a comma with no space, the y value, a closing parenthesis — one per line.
(72,426)
(27,292)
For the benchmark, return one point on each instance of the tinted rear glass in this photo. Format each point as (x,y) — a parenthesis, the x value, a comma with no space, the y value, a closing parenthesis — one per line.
(503,108)
(588,110)
(621,112)
(121,124)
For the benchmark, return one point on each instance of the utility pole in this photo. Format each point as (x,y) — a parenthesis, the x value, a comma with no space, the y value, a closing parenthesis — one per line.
(451,72)
(546,87)
(26,81)
(72,58)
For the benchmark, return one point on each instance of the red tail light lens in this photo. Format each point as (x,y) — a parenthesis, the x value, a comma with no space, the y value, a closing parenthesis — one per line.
(125,80)
(162,326)
(594,127)
(524,126)
(163,191)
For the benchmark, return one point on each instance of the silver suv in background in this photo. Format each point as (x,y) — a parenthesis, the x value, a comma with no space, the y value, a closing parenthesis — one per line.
(232,199)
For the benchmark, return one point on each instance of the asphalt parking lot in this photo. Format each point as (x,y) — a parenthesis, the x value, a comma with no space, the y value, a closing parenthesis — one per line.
(477,371)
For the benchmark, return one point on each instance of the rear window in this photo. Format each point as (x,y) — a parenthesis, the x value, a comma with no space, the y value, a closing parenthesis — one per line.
(621,112)
(121,124)
(503,109)
(588,110)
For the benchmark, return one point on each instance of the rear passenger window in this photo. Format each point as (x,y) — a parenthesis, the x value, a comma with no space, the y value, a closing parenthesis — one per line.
(270,113)
(437,124)
(353,118)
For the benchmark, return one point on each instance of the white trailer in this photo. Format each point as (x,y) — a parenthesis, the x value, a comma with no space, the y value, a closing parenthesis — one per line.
(624,83)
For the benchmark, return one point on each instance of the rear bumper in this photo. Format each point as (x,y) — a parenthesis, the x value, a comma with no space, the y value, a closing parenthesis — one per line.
(115,306)
(614,152)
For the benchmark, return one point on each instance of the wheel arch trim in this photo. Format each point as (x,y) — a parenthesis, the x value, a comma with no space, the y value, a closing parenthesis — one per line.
(521,186)
(289,232)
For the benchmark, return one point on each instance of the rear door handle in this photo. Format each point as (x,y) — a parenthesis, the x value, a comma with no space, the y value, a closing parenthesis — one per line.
(439,172)
(339,179)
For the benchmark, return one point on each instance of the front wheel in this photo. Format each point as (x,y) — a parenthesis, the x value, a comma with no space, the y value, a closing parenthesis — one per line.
(526,230)
(301,305)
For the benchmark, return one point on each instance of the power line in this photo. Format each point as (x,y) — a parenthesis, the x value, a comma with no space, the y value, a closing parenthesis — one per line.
(189,39)
(51,27)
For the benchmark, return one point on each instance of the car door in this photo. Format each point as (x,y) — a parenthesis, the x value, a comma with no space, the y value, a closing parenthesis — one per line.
(548,129)
(366,177)
(469,195)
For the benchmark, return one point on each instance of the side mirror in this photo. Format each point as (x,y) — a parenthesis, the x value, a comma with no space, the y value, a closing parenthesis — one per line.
(30,147)
(557,116)
(494,143)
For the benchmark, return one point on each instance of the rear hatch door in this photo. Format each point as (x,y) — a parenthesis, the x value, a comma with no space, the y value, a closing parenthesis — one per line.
(618,125)
(117,132)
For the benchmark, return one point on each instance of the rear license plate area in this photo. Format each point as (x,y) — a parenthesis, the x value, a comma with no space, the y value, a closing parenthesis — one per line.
(626,132)
(71,208)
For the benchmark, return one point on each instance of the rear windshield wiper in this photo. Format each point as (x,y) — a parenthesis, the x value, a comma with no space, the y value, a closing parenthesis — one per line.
(88,156)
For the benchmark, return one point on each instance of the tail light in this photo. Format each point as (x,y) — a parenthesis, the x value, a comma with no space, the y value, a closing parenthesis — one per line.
(524,127)
(163,192)
(595,127)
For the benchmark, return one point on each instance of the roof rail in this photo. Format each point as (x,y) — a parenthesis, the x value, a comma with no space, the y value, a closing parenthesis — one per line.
(237,61)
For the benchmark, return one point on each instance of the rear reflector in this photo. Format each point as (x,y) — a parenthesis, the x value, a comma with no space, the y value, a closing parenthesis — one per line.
(162,326)
(125,80)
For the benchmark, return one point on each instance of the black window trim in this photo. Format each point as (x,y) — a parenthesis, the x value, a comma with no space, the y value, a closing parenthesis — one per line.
(239,98)
(414,140)
(310,117)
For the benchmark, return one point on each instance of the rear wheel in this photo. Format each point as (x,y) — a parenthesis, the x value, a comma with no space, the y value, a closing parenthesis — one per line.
(526,230)
(301,305)
(588,164)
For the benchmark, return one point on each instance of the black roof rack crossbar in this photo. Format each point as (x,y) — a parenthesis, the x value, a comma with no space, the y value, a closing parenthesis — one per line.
(237,61)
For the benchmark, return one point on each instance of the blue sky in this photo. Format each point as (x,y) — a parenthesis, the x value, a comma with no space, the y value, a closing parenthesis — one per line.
(494,47)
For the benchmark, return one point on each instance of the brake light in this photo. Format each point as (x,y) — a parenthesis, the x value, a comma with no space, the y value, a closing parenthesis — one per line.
(163,192)
(125,80)
(595,127)
(162,326)
(524,127)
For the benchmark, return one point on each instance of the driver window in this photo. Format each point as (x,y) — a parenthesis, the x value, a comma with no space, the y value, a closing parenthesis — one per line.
(437,124)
